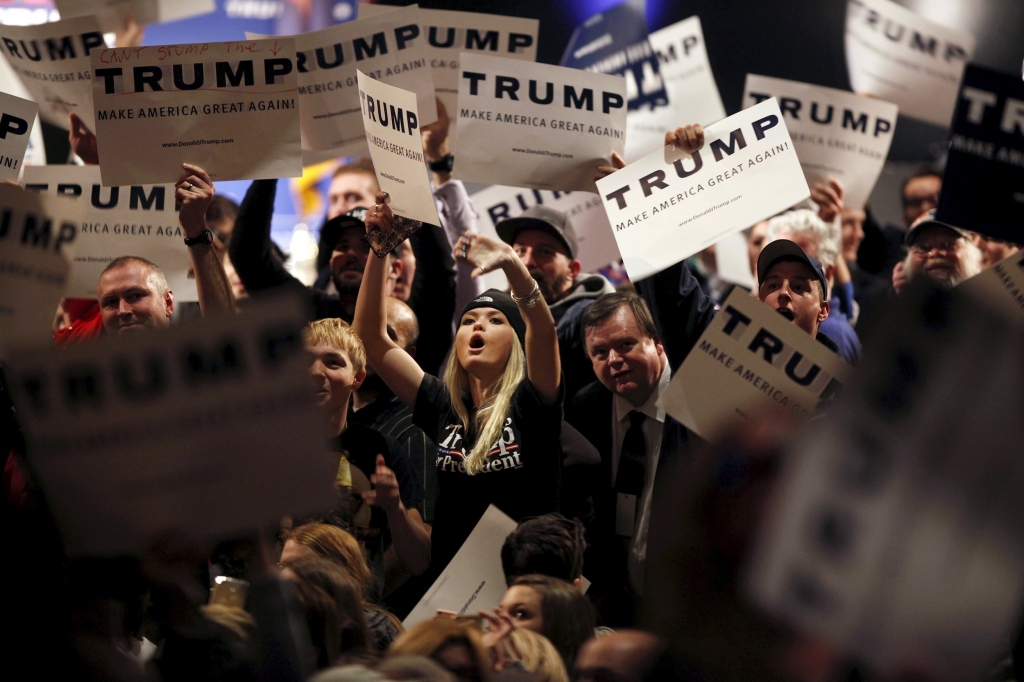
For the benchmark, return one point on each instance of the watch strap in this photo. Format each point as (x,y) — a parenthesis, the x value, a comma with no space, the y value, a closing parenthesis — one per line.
(443,165)
(205,238)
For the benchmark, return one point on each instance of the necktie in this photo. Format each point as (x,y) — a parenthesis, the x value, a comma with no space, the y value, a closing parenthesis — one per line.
(629,480)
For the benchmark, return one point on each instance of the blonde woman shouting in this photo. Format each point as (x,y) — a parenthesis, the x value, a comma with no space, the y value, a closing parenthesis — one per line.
(496,414)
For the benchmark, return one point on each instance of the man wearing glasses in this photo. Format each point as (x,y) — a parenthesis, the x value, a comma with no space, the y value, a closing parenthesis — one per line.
(943,253)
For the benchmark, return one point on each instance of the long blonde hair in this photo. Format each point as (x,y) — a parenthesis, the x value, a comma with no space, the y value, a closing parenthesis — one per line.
(490,417)
(537,654)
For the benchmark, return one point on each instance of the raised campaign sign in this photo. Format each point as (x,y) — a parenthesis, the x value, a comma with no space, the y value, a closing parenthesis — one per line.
(17,116)
(670,204)
(389,47)
(53,62)
(230,108)
(983,184)
(835,133)
(904,58)
(134,220)
(450,33)
(536,125)
(37,238)
(692,91)
(757,360)
(392,130)
(225,435)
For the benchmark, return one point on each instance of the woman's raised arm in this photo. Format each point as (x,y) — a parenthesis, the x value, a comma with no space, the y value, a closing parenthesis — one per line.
(396,367)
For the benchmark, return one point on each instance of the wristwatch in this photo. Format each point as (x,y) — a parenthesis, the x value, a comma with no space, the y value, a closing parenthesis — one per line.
(205,238)
(443,165)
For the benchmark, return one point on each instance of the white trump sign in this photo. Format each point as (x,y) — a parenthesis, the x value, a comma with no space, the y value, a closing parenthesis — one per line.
(756,360)
(670,204)
(230,108)
(389,47)
(225,435)
(17,117)
(536,125)
(835,133)
(133,220)
(37,239)
(450,33)
(901,57)
(692,92)
(53,62)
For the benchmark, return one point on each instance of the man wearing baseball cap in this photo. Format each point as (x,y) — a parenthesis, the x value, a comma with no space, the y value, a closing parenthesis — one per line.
(793,284)
(944,253)
(544,240)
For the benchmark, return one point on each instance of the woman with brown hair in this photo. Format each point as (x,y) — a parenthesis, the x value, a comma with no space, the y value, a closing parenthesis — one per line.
(342,549)
(333,608)
(553,608)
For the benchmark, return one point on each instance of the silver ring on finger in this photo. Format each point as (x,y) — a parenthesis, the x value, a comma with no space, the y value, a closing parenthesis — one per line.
(189,188)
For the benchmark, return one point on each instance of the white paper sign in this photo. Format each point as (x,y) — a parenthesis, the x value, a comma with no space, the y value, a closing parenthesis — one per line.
(537,125)
(756,360)
(669,205)
(37,239)
(225,436)
(901,57)
(389,47)
(474,580)
(449,33)
(895,529)
(393,135)
(230,108)
(1001,285)
(35,154)
(594,239)
(692,92)
(112,13)
(137,220)
(835,133)
(53,62)
(732,260)
(17,117)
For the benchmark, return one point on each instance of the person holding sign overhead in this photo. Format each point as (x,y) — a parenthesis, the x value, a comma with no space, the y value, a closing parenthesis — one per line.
(133,291)
(497,412)
(635,344)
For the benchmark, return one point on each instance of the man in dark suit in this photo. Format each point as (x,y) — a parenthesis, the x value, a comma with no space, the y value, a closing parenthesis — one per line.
(636,439)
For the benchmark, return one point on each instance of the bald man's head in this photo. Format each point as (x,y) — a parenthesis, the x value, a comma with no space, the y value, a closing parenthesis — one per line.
(625,655)
(402,321)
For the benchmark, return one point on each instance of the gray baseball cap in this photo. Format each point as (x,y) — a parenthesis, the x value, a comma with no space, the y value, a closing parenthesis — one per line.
(927,220)
(542,218)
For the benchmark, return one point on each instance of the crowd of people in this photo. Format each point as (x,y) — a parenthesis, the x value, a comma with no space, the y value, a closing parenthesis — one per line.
(441,399)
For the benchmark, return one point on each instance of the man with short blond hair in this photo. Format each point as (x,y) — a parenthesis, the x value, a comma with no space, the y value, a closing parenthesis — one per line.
(371,468)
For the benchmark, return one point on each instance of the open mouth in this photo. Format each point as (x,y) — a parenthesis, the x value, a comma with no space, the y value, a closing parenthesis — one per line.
(786,313)
(476,342)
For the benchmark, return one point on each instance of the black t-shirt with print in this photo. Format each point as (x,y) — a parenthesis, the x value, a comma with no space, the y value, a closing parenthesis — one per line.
(521,477)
